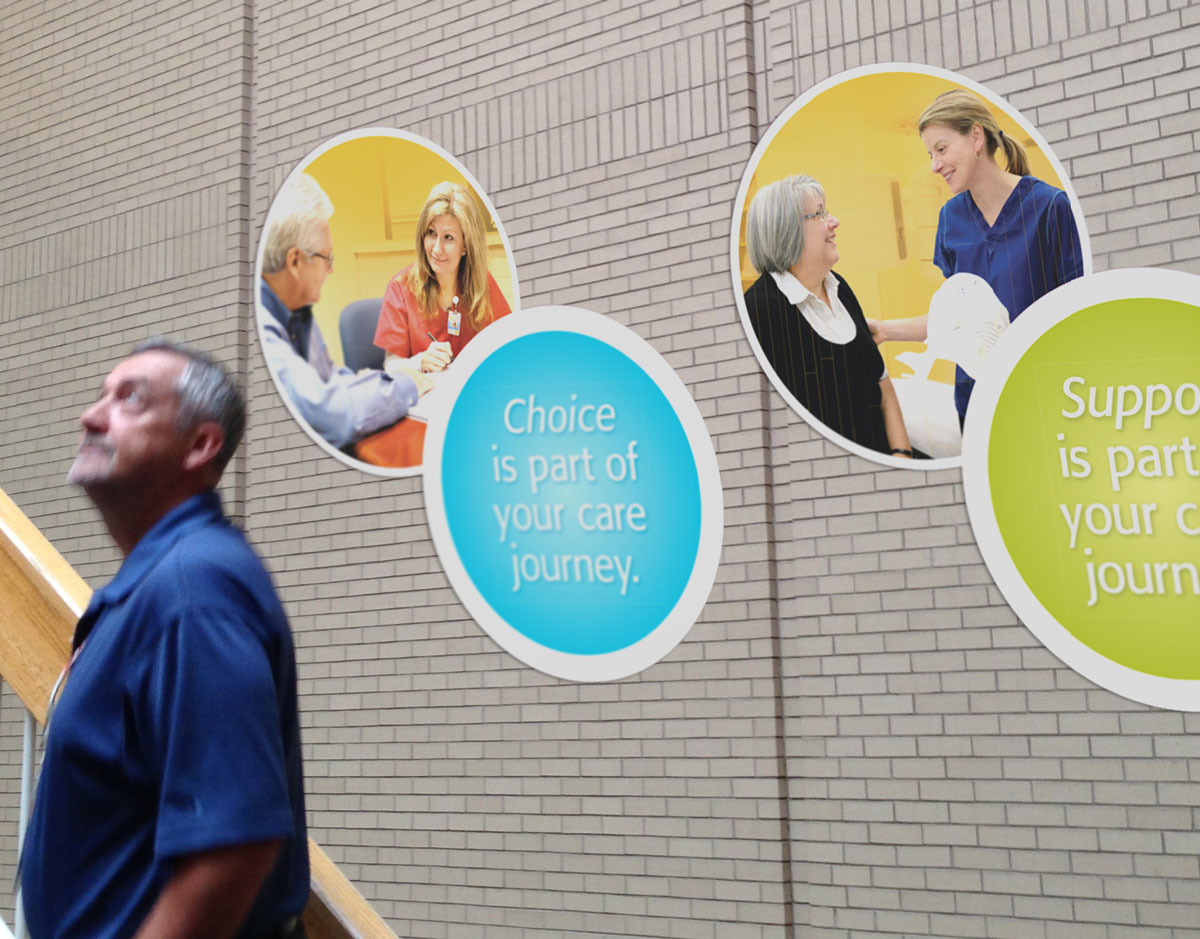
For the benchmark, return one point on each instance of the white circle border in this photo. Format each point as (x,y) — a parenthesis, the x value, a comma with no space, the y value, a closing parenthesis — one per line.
(392,472)
(739,207)
(1076,296)
(650,649)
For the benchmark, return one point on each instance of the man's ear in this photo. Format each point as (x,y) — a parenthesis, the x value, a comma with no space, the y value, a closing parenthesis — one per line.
(291,260)
(207,439)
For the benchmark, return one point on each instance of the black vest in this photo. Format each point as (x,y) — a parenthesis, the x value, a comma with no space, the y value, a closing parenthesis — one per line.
(837,384)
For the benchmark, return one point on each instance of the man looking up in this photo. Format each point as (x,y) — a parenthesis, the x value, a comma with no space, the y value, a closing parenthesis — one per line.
(338,404)
(171,801)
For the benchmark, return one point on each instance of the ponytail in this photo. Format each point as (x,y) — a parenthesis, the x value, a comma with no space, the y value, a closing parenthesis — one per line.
(1014,154)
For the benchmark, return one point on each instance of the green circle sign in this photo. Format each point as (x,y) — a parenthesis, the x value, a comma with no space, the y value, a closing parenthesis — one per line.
(1082,457)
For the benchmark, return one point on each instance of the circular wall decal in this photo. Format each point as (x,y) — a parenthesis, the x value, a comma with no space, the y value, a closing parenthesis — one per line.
(1082,479)
(573,494)
(346,343)
(892,232)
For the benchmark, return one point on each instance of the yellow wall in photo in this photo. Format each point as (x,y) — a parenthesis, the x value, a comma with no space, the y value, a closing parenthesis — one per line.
(859,140)
(378,186)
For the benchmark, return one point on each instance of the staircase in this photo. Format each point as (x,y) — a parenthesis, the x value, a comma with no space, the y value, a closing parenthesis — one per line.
(41,597)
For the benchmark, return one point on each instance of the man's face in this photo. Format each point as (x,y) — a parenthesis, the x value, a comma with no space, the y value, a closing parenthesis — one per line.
(129,434)
(313,268)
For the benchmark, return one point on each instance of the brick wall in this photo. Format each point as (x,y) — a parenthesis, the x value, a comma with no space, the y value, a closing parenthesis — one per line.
(947,775)
(124,160)
(858,737)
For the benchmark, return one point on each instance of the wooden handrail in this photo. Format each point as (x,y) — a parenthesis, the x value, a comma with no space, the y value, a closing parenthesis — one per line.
(41,598)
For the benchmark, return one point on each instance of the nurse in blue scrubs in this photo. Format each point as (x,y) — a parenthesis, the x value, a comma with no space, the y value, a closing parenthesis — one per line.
(1013,230)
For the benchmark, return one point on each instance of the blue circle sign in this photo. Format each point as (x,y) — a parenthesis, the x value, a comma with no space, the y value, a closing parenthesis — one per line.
(573,493)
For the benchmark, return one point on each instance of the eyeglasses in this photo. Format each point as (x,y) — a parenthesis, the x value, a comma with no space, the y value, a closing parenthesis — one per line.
(327,258)
(821,213)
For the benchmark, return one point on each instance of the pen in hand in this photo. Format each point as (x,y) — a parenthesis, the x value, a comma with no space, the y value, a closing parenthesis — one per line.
(438,353)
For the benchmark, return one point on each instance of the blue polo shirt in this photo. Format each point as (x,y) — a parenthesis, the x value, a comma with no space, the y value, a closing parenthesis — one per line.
(1032,248)
(175,732)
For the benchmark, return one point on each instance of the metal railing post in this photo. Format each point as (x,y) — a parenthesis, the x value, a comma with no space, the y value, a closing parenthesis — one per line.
(27,741)
(4,931)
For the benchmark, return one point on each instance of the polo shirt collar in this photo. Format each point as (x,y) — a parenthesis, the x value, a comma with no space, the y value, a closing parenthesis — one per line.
(195,512)
(296,324)
(273,305)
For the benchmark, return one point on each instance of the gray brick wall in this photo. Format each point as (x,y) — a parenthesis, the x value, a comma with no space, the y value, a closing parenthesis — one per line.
(858,737)
(124,159)
(947,775)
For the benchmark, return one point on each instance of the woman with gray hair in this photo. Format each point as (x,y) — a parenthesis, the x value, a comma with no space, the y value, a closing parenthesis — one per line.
(809,324)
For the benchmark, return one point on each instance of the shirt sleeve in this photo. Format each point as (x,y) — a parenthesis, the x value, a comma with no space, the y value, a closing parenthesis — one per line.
(344,406)
(392,334)
(943,255)
(214,731)
(499,305)
(1062,240)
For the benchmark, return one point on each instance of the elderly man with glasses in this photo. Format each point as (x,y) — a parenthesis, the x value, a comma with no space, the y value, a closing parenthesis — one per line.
(338,404)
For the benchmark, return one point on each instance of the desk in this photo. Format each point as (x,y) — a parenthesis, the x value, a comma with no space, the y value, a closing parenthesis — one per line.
(401,445)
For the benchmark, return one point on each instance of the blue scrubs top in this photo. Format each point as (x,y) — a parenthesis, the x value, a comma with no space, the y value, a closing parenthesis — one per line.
(176,732)
(1032,248)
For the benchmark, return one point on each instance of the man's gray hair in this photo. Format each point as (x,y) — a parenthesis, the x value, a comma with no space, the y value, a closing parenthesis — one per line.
(299,211)
(775,223)
(206,392)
